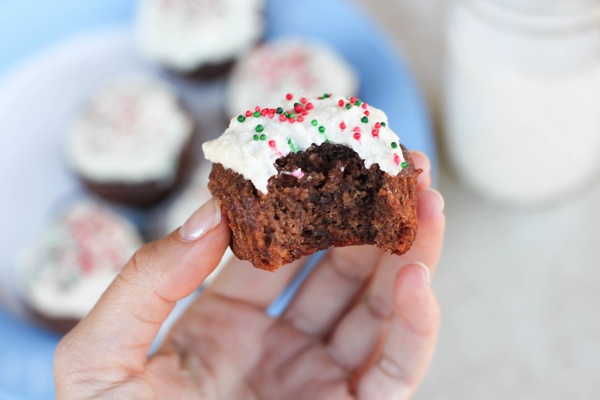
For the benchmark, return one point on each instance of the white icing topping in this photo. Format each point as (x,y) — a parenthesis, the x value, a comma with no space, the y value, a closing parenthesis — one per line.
(66,272)
(131,131)
(186,34)
(287,65)
(251,147)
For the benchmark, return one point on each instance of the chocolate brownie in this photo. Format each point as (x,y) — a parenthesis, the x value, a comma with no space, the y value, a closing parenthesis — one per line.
(328,172)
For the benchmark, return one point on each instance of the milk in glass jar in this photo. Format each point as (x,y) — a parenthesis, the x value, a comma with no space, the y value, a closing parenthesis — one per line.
(522,97)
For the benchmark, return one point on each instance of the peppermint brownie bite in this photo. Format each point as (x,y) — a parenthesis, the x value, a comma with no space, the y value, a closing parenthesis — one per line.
(301,66)
(200,38)
(327,172)
(132,142)
(74,261)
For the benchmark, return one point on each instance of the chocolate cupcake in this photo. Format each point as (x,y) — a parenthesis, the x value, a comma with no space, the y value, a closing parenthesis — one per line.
(132,143)
(65,272)
(198,38)
(327,172)
(301,66)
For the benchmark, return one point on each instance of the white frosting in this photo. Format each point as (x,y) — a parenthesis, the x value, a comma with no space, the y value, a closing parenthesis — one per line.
(67,271)
(130,131)
(186,34)
(287,65)
(251,147)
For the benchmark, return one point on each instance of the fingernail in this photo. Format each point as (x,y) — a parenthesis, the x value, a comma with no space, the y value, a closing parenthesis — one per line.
(425,270)
(439,195)
(202,220)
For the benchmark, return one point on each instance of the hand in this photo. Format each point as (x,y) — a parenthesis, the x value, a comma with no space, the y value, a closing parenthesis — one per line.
(362,326)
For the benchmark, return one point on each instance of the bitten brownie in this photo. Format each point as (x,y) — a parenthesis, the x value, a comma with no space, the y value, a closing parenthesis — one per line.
(324,189)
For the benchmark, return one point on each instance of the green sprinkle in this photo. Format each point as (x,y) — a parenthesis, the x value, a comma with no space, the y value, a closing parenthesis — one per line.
(383,124)
(365,119)
(404,164)
(287,114)
(358,102)
(263,136)
(293,147)
(394,145)
(314,122)
(255,137)
(279,110)
(292,116)
(322,129)
(241,118)
(256,114)
(259,128)
(348,106)
(326,95)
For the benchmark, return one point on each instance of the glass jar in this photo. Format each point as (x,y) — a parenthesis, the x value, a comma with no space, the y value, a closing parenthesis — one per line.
(522,97)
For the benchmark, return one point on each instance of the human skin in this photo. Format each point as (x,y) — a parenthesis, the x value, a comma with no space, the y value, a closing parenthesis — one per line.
(362,326)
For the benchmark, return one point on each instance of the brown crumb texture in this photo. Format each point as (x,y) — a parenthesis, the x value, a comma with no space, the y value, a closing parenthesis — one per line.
(337,202)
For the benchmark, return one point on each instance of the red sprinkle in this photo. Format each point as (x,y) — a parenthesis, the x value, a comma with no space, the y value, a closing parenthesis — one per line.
(352,100)
(367,113)
(357,135)
(282,117)
(364,105)
(264,112)
(289,96)
(341,103)
(309,106)
(292,120)
(396,159)
(303,100)
(257,108)
(377,125)
(271,114)
(272,143)
(343,125)
(298,108)
(375,132)
(356,129)
(304,112)
(249,113)
(300,118)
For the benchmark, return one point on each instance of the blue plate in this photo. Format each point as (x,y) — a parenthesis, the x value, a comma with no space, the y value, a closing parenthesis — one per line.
(28,27)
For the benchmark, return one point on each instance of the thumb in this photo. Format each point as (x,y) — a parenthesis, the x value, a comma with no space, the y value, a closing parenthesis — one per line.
(126,319)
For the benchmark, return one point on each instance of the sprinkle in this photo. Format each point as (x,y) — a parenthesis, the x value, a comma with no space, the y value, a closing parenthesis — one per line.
(289,96)
(357,135)
(248,113)
(383,124)
(364,105)
(367,113)
(353,100)
(282,117)
(272,143)
(375,132)
(279,110)
(309,106)
(364,119)
(396,159)
(298,108)
(322,129)
(292,116)
(377,125)
(325,95)
(356,129)
(293,147)
(303,100)
(404,164)
(314,122)
(341,103)
(259,128)
(300,118)
(304,112)
(241,118)
(257,108)
(263,136)
(348,106)
(255,137)
(264,112)
(394,145)
(342,125)
(256,114)
(358,103)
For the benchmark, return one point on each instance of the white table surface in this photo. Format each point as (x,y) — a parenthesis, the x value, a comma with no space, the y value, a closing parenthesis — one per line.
(519,288)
